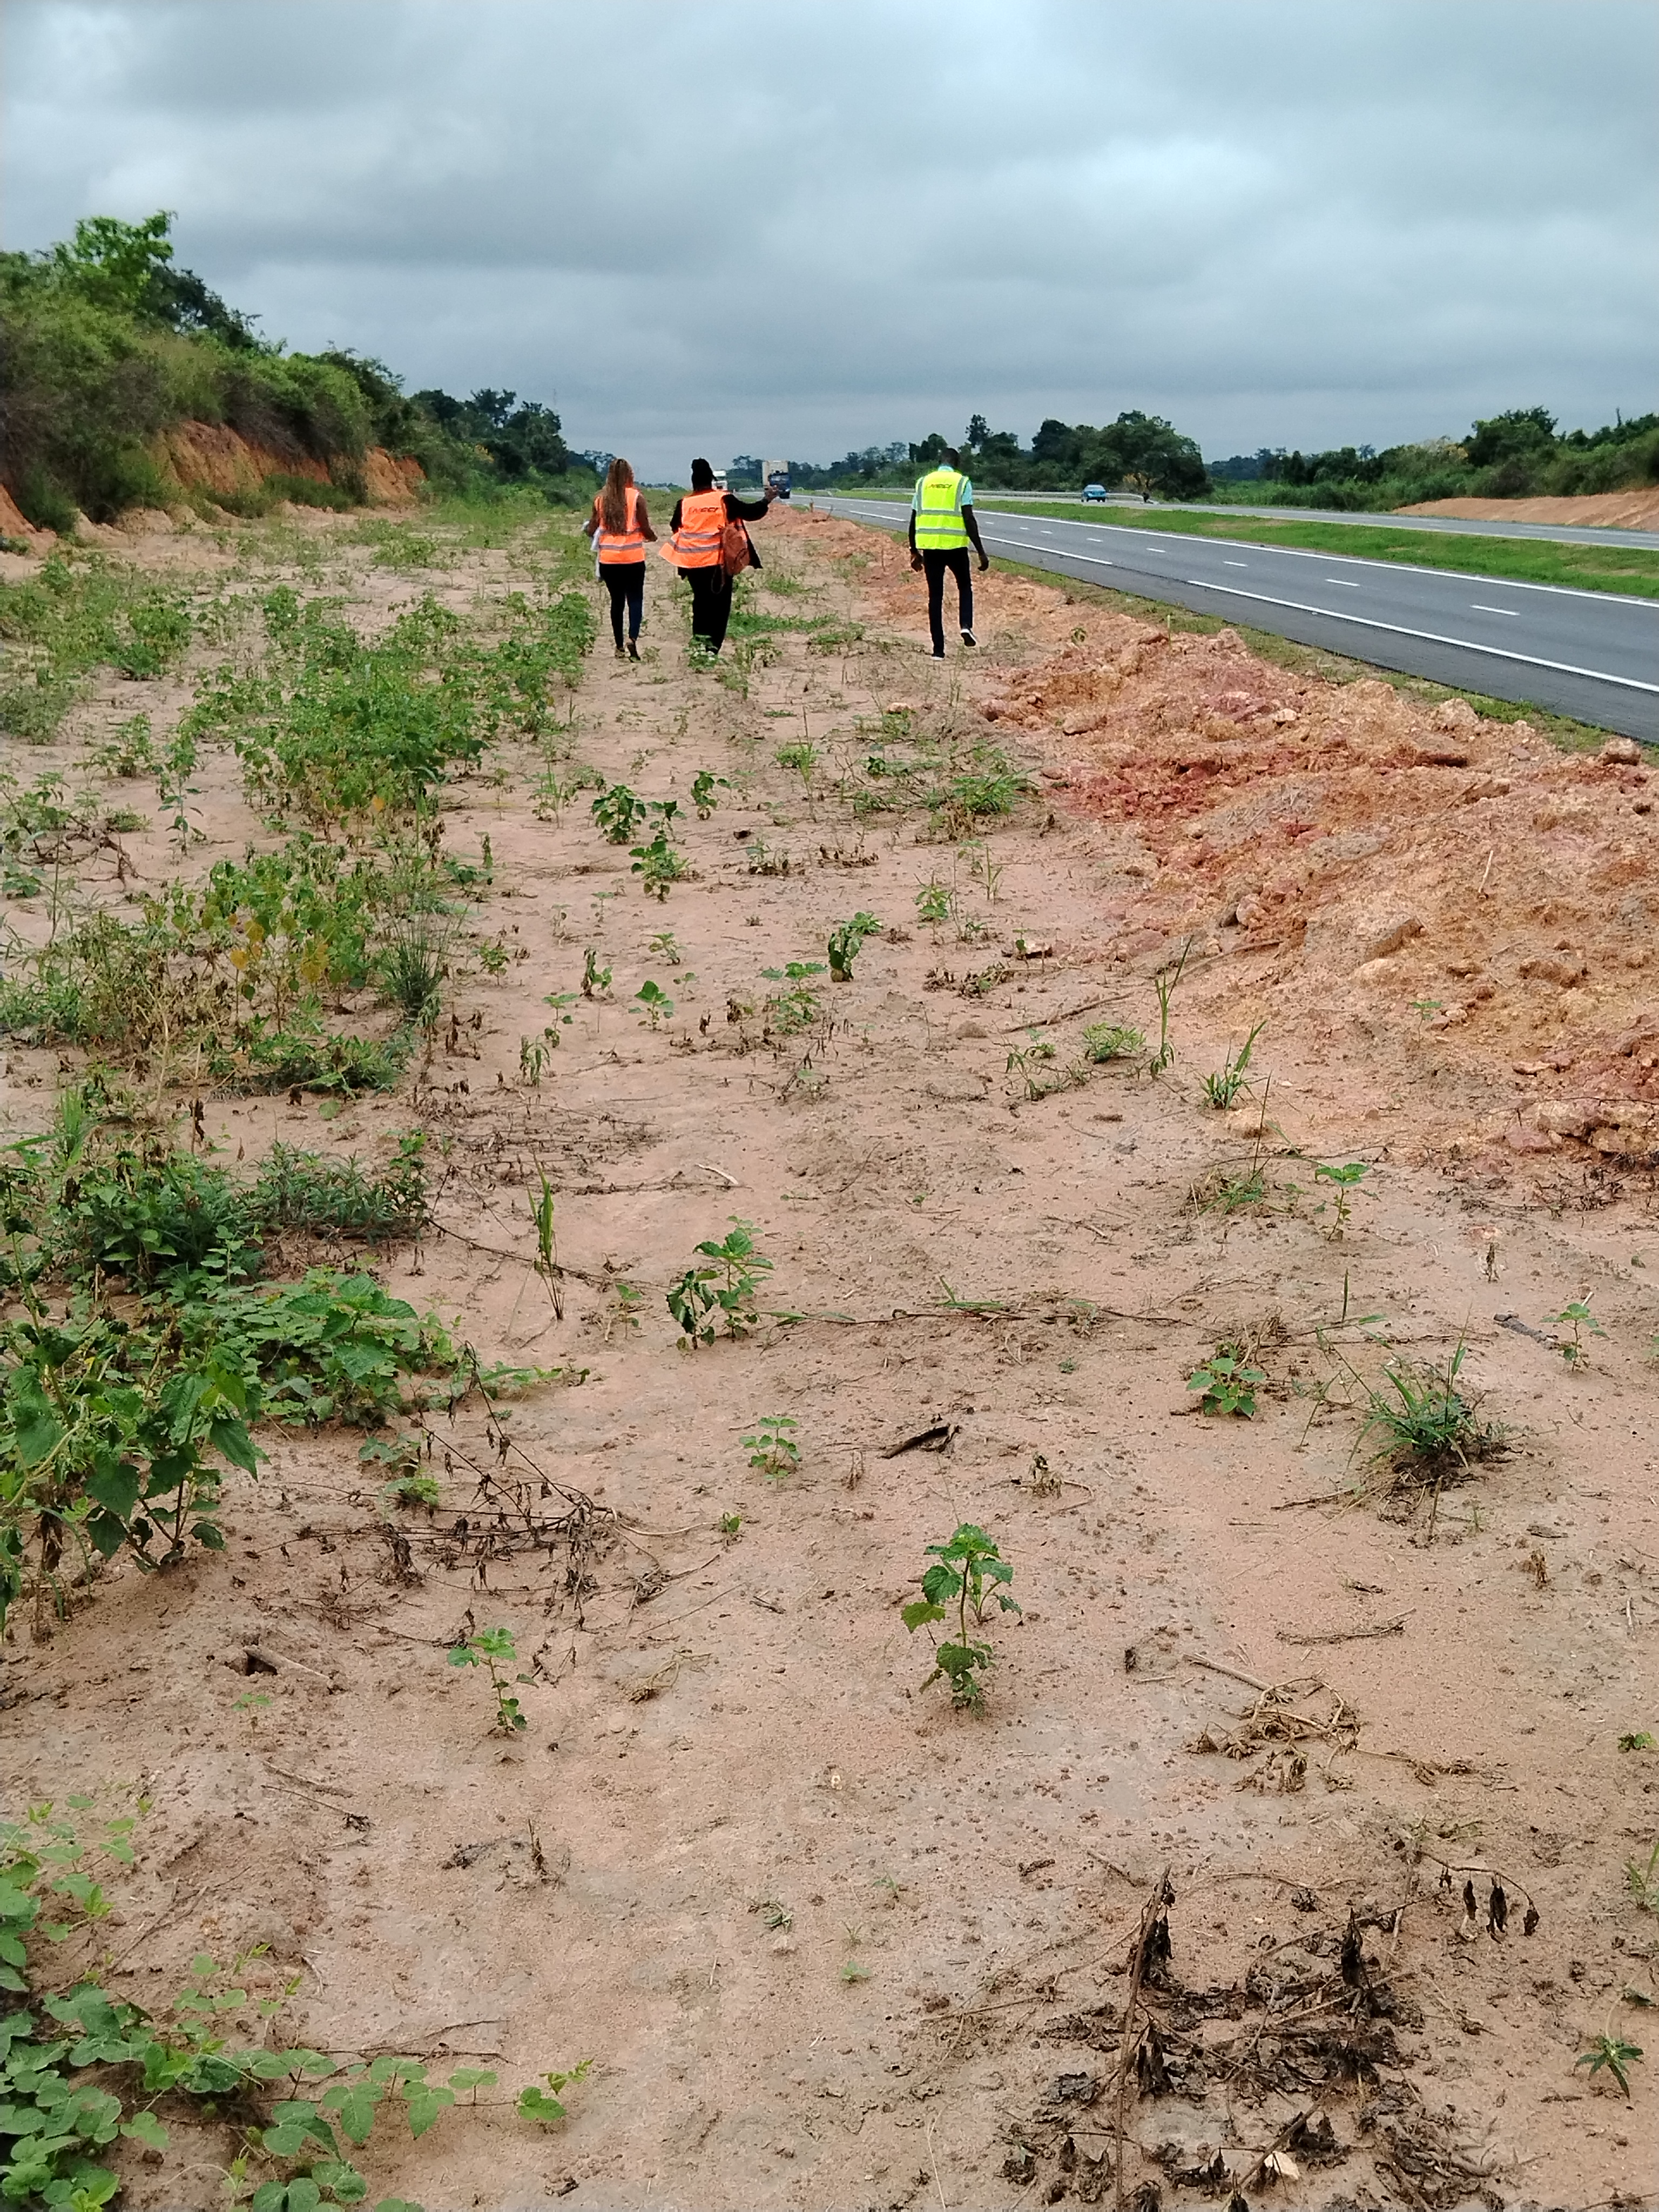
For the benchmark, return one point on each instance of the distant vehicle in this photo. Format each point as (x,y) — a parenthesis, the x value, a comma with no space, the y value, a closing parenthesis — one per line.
(1094,491)
(776,473)
(721,484)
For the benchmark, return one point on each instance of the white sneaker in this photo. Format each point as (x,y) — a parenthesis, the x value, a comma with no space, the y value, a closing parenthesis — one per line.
(968,638)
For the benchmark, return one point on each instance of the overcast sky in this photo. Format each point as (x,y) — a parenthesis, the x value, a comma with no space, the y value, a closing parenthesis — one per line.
(770,226)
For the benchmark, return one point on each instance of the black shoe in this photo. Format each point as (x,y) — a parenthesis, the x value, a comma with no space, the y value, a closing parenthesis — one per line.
(938,653)
(968,638)
(633,650)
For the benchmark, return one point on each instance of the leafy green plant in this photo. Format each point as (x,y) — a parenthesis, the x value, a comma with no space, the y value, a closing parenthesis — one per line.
(846,941)
(1612,2053)
(658,865)
(934,902)
(490,1647)
(1105,1041)
(536,2103)
(797,1005)
(1576,1316)
(1228,1383)
(619,812)
(1638,1740)
(802,757)
(968,1570)
(659,1006)
(329,1197)
(772,1449)
(725,1287)
(1346,1177)
(1222,1091)
(704,784)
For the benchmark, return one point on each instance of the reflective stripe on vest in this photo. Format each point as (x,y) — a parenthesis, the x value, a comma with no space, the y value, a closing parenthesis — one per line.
(697,543)
(939,527)
(620,547)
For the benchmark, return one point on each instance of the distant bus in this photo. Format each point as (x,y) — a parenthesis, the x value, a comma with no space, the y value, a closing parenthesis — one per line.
(776,473)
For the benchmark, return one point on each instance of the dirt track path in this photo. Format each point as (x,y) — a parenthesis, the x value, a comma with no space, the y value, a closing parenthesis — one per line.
(829,1942)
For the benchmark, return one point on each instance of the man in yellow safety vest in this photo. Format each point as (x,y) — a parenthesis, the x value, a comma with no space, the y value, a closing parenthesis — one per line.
(943,525)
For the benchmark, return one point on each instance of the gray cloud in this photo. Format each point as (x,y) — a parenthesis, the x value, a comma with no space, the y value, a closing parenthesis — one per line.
(737,225)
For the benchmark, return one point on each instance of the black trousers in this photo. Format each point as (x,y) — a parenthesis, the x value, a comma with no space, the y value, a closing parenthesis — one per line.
(625,581)
(934,566)
(711,604)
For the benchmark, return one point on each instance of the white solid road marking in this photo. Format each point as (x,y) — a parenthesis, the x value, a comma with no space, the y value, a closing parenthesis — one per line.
(1235,564)
(1430,636)
(1346,582)
(1512,612)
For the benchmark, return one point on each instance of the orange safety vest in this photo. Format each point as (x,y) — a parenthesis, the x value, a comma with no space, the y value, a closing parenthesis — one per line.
(698,541)
(619,548)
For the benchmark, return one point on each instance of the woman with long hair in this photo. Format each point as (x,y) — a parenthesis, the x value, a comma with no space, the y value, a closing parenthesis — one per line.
(621,530)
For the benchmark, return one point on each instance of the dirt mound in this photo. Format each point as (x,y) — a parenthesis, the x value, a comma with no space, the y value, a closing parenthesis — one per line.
(1613,510)
(212,457)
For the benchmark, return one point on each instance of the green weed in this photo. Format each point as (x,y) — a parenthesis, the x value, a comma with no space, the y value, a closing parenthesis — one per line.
(704,785)
(1165,984)
(772,1449)
(1346,1178)
(659,1006)
(968,1570)
(491,1649)
(1108,1041)
(934,902)
(596,981)
(1576,1316)
(724,1288)
(619,812)
(658,865)
(1228,1383)
(1222,1091)
(846,941)
(536,2103)
(1613,2053)
(411,967)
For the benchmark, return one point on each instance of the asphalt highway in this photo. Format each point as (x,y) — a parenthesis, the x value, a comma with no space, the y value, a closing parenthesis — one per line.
(1593,655)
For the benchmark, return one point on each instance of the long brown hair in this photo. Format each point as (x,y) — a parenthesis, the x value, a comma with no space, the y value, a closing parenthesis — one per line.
(613,499)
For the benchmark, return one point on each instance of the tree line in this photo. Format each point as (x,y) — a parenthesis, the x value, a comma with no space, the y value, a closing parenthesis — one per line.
(105,343)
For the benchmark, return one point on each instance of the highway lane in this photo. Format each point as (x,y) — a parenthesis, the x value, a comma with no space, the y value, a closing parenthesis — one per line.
(1594,655)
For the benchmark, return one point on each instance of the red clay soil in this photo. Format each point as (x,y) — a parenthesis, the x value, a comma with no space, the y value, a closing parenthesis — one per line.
(1613,510)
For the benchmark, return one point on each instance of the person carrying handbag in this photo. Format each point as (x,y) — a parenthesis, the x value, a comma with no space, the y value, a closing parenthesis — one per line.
(710,547)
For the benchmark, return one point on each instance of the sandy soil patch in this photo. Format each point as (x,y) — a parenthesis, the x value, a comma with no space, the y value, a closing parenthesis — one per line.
(829,1942)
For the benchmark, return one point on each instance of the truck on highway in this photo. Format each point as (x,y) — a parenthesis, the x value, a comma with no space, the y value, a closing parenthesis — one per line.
(776,473)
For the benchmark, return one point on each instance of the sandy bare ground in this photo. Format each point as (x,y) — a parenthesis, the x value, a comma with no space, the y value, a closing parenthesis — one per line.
(829,1942)
(1613,510)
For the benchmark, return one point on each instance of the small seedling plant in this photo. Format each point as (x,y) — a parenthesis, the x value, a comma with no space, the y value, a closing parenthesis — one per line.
(536,2103)
(934,901)
(968,1571)
(489,1648)
(704,784)
(596,981)
(1610,2052)
(658,865)
(1228,1383)
(723,1290)
(1107,1041)
(772,1449)
(1165,983)
(1577,1318)
(846,941)
(1344,1179)
(659,1006)
(1222,1089)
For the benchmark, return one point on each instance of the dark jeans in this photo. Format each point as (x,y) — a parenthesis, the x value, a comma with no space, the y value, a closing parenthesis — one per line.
(625,581)
(711,604)
(935,565)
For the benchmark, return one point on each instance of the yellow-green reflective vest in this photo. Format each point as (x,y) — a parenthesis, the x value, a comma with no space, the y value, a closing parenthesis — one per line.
(939,511)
